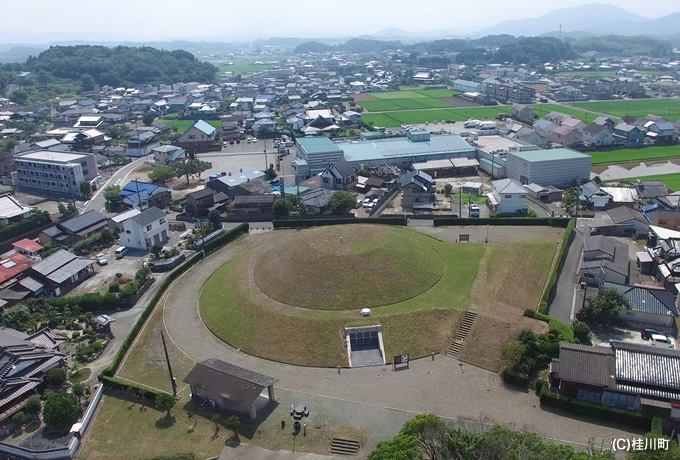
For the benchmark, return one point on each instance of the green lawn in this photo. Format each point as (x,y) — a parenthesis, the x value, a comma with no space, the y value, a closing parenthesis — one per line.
(543,109)
(669,108)
(646,153)
(183,125)
(470,198)
(242,67)
(672,181)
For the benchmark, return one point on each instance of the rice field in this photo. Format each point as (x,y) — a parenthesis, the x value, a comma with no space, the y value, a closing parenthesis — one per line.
(646,153)
(394,119)
(408,100)
(669,108)
(543,109)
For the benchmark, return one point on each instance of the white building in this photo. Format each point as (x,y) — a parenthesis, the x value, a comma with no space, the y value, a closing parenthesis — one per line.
(145,230)
(55,172)
(510,195)
(558,167)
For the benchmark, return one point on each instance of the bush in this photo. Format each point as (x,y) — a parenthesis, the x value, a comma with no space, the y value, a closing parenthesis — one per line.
(562,222)
(38,219)
(114,287)
(144,392)
(87,302)
(59,409)
(516,378)
(314,222)
(540,383)
(75,335)
(18,420)
(657,426)
(57,376)
(33,405)
(129,290)
(142,273)
(596,410)
(582,332)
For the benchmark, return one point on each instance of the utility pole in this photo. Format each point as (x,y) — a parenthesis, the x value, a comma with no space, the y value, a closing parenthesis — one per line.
(167,358)
(460,202)
(266,165)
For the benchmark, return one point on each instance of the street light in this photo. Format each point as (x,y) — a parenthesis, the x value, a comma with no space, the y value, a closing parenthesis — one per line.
(200,229)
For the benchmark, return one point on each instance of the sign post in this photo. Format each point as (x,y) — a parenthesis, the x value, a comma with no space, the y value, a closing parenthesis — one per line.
(399,360)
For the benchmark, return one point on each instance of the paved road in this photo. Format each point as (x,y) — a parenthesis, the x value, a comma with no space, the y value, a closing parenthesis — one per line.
(440,386)
(566,303)
(97,201)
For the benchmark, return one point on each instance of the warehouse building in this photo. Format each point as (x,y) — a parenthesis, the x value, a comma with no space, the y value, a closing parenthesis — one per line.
(419,146)
(557,167)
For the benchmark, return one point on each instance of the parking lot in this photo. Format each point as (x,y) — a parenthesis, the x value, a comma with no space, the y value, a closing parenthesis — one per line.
(602,336)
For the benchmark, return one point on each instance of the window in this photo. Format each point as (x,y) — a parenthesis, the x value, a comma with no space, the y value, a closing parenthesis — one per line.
(507,196)
(148,227)
(590,396)
(522,196)
(338,181)
(128,232)
(325,180)
(161,220)
(618,399)
(415,189)
(417,200)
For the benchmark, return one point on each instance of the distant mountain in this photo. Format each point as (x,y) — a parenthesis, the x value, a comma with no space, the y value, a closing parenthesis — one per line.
(665,25)
(575,34)
(590,17)
(392,32)
(19,53)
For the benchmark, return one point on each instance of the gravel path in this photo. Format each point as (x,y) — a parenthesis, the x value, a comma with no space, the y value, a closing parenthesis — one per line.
(441,386)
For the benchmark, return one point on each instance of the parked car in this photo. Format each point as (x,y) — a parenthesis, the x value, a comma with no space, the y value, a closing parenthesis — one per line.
(101,260)
(646,334)
(474,210)
(660,340)
(121,251)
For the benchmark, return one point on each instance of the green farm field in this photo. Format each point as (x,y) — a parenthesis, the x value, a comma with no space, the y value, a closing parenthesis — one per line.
(394,119)
(183,125)
(672,181)
(647,153)
(543,109)
(242,67)
(669,108)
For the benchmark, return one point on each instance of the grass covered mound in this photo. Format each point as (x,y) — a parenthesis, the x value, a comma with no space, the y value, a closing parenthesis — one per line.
(349,267)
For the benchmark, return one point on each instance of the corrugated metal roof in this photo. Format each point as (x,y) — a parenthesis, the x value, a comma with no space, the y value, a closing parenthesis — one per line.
(53,262)
(647,368)
(65,272)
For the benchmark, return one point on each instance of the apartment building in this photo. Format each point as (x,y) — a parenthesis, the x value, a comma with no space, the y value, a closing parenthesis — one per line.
(54,172)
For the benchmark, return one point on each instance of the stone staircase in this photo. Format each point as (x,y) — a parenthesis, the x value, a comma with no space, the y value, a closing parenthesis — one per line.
(464,329)
(341,446)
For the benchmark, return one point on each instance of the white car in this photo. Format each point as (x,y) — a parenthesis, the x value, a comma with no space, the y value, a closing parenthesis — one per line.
(661,341)
(369,206)
(101,260)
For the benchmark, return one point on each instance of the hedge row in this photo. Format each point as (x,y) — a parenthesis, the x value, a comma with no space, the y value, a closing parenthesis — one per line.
(108,373)
(540,383)
(180,456)
(38,219)
(226,237)
(516,378)
(564,332)
(144,392)
(596,410)
(86,302)
(297,223)
(561,222)
(552,285)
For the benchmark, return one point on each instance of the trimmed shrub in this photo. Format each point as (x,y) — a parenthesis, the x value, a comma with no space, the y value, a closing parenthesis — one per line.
(129,290)
(114,287)
(552,284)
(144,392)
(56,376)
(75,335)
(87,302)
(540,383)
(657,426)
(562,222)
(576,406)
(38,219)
(227,237)
(516,378)
(314,222)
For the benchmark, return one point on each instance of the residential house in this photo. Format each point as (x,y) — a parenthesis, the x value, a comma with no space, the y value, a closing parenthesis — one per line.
(204,201)
(522,112)
(598,135)
(24,364)
(74,229)
(116,222)
(467,86)
(141,144)
(667,218)
(145,230)
(631,120)
(340,175)
(264,128)
(564,135)
(604,259)
(661,132)
(11,210)
(649,190)
(317,200)
(62,271)
(624,375)
(253,207)
(352,118)
(230,129)
(417,192)
(630,135)
(604,121)
(28,248)
(596,197)
(510,195)
(13,268)
(530,136)
(544,127)
(648,305)
(168,154)
(628,222)
(143,195)
(198,138)
(249,181)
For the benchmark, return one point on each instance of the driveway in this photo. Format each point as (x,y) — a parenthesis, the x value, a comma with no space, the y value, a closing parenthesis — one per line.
(568,297)
(97,201)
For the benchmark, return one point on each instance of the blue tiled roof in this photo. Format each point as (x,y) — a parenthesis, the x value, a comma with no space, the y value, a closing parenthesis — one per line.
(136,191)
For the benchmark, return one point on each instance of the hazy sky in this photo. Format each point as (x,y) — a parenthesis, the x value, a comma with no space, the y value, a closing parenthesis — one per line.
(35,21)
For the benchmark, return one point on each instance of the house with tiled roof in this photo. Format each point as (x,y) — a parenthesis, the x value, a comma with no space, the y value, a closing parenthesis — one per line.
(649,305)
(142,195)
(200,137)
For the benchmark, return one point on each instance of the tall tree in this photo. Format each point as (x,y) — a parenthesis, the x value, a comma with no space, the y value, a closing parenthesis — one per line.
(341,202)
(160,174)
(59,409)
(85,188)
(603,308)
(19,318)
(166,402)
(113,198)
